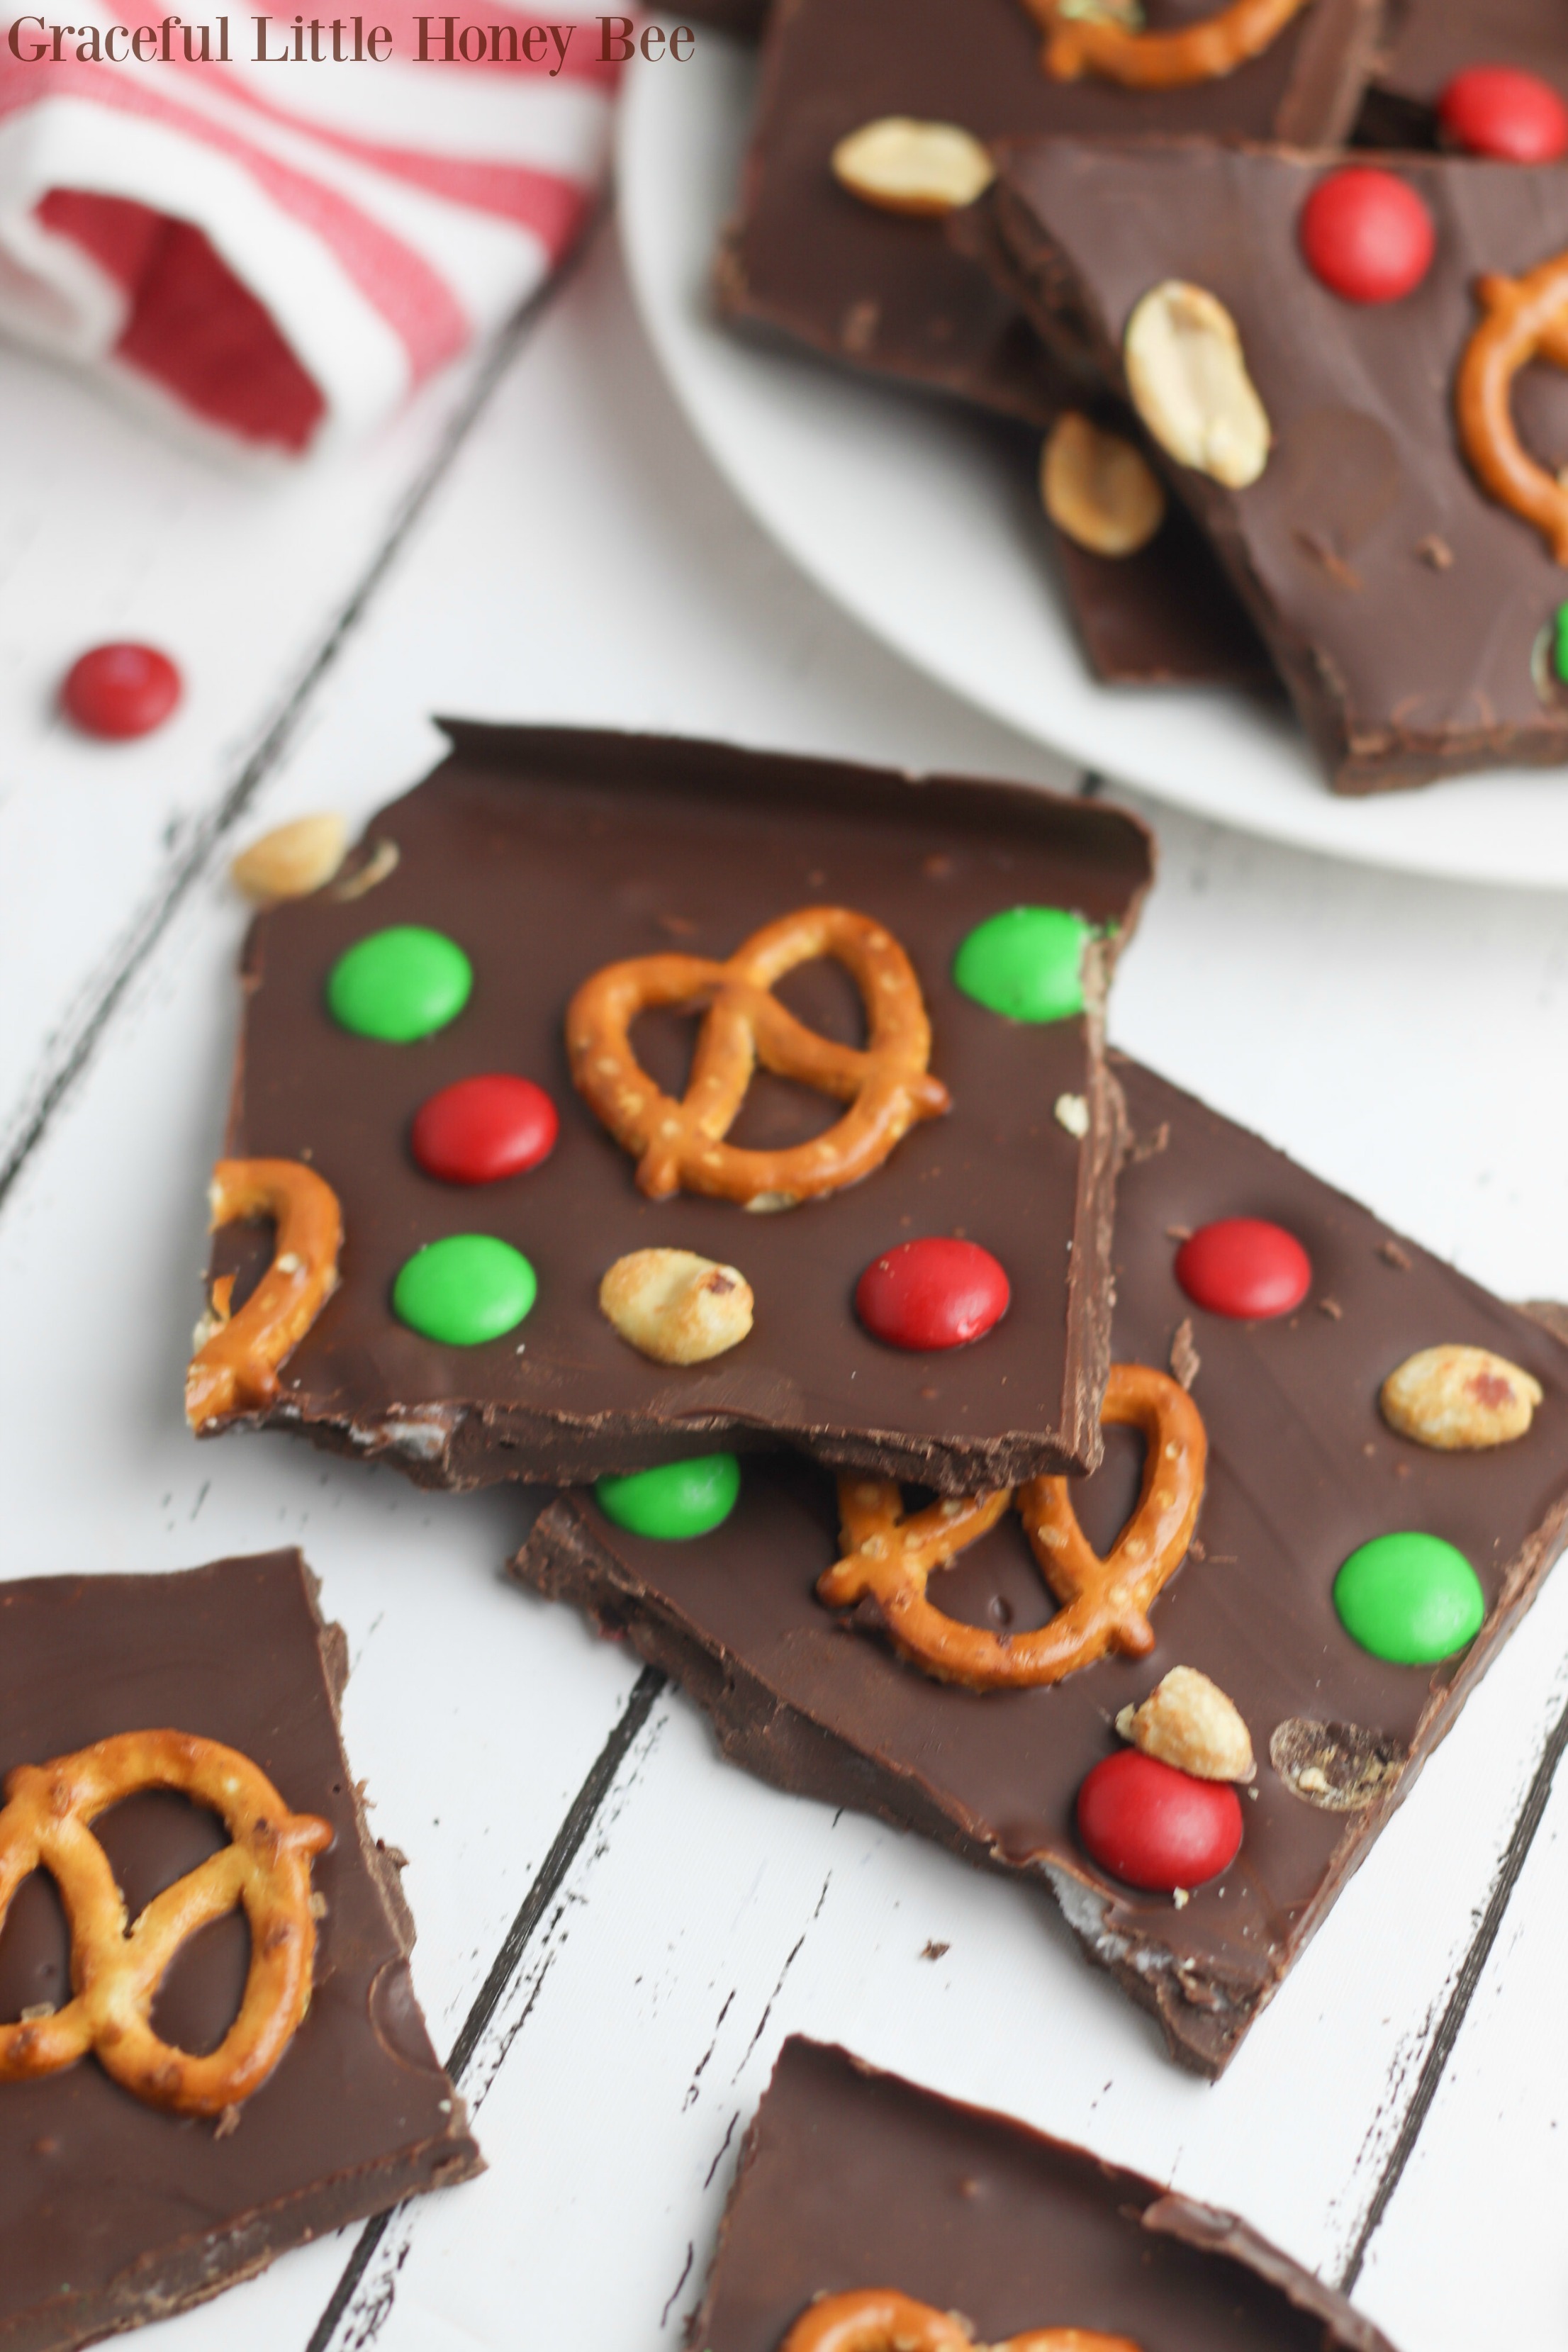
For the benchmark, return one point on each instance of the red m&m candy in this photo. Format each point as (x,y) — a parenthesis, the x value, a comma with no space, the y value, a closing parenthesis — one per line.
(1155,1827)
(1245,1269)
(1367,235)
(932,1294)
(118,691)
(1499,111)
(484,1128)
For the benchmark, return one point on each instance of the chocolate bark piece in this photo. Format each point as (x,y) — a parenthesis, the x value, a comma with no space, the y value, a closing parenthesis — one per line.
(1164,617)
(850,2177)
(548,854)
(896,294)
(1301,1471)
(1425,43)
(1405,609)
(115,2212)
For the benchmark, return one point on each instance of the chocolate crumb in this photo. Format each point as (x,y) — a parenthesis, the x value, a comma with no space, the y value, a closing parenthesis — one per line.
(680,926)
(1435,551)
(1331,1309)
(1343,574)
(1148,1146)
(1185,1361)
(227,2123)
(1178,1233)
(1338,1767)
(1392,1255)
(938,865)
(858,328)
(930,1951)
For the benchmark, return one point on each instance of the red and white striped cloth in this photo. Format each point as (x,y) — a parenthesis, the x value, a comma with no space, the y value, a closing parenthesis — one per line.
(284,251)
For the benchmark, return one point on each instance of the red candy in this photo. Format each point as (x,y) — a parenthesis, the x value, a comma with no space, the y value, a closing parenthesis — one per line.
(1367,235)
(932,1294)
(118,691)
(1245,1268)
(1152,1826)
(1499,111)
(484,1128)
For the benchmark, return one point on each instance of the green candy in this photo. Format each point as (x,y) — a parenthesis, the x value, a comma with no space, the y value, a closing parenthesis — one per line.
(1411,1599)
(1026,964)
(1560,645)
(465,1290)
(399,984)
(677,1500)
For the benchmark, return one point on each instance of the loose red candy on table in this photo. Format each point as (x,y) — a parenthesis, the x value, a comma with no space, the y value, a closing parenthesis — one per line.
(1367,235)
(1497,111)
(1245,1269)
(120,691)
(937,1293)
(484,1128)
(1157,1828)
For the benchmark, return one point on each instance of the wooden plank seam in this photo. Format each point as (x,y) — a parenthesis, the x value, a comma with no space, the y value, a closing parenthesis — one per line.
(1466,1985)
(73,1058)
(580,1818)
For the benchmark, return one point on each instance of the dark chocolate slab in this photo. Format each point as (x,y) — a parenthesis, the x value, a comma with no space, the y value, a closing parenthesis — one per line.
(896,294)
(1402,669)
(1301,1470)
(548,854)
(113,2212)
(851,2178)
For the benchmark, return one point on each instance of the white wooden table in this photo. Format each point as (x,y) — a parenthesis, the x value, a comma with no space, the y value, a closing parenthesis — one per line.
(619,1928)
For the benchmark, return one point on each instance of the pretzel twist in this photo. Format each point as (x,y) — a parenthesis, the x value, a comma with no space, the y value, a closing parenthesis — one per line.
(879,2319)
(1105,1602)
(117,1967)
(236,1367)
(1205,51)
(1526,319)
(676,1144)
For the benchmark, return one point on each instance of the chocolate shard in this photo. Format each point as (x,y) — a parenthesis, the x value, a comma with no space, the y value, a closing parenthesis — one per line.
(1400,670)
(892,294)
(117,2213)
(547,855)
(1301,1471)
(850,2177)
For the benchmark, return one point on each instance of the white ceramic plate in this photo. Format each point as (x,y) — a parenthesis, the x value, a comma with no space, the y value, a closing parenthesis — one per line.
(905,511)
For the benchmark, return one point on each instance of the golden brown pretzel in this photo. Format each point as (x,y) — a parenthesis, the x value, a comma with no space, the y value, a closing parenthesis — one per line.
(1105,1602)
(236,1367)
(681,1143)
(879,2319)
(1526,319)
(1204,51)
(115,1967)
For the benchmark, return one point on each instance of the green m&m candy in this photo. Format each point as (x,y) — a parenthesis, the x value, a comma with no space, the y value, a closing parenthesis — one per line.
(1411,1599)
(463,1290)
(399,984)
(677,1500)
(1026,964)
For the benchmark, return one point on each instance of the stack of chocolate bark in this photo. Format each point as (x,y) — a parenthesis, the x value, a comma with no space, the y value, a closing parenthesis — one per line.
(1305,407)
(982,1431)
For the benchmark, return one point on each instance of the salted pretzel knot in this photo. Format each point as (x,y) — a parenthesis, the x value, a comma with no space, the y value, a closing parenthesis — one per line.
(1105,1602)
(680,1144)
(117,1967)
(1526,319)
(879,2319)
(1205,51)
(234,1370)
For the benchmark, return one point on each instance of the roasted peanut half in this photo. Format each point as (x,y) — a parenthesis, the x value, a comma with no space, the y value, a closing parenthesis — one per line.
(1187,376)
(1187,1721)
(675,1306)
(1098,489)
(292,860)
(904,166)
(1458,1399)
